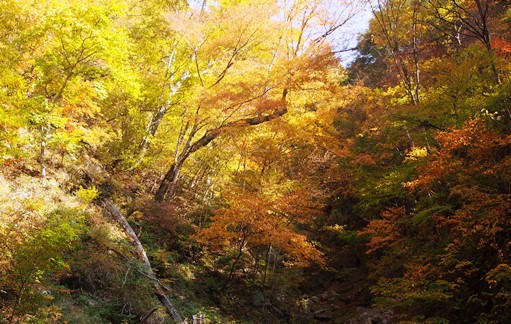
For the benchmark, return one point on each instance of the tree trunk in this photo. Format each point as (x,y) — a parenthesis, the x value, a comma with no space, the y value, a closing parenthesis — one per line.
(152,127)
(387,20)
(158,287)
(168,185)
(235,262)
(43,152)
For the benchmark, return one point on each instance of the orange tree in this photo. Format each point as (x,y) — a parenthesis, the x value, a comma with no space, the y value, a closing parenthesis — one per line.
(251,221)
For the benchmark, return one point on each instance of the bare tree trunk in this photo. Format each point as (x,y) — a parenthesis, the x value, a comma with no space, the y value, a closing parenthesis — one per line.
(43,151)
(387,18)
(152,127)
(158,287)
(157,117)
(168,185)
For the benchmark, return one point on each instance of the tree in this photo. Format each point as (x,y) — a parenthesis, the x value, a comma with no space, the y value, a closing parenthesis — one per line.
(469,19)
(55,80)
(241,77)
(399,28)
(252,221)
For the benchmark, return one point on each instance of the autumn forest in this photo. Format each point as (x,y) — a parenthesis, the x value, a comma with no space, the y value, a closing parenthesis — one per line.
(166,161)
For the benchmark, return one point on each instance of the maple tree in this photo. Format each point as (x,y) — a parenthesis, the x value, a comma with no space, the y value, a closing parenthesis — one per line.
(252,221)
(276,70)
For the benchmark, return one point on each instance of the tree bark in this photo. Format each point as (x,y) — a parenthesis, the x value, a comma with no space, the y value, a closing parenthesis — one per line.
(168,184)
(152,127)
(142,256)
(42,153)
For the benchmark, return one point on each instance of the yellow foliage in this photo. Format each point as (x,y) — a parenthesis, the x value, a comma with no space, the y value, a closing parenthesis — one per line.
(87,195)
(415,153)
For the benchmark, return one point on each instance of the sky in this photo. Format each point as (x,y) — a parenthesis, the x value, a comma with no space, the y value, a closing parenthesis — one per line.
(358,25)
(343,38)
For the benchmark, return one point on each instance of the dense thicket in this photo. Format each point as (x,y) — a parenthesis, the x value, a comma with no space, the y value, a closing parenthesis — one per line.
(216,160)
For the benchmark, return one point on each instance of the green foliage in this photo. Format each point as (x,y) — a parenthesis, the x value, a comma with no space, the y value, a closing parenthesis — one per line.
(42,258)
(425,215)
(107,286)
(404,293)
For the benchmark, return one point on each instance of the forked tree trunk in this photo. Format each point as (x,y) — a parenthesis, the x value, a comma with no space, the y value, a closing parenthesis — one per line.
(168,184)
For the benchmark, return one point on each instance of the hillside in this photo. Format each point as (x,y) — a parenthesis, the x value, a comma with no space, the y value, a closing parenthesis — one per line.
(164,161)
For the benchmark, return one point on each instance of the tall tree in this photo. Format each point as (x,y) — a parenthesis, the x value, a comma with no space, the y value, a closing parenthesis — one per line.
(398,27)
(468,19)
(241,77)
(59,62)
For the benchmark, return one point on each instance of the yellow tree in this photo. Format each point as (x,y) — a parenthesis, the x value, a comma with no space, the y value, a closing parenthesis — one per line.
(242,69)
(398,26)
(58,63)
(279,184)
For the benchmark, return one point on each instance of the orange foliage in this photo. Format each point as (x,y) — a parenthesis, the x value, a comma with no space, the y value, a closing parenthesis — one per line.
(314,65)
(469,151)
(484,217)
(501,46)
(384,232)
(474,166)
(252,220)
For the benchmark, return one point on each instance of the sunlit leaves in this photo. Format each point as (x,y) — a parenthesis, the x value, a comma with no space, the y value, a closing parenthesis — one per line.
(251,221)
(472,148)
(53,85)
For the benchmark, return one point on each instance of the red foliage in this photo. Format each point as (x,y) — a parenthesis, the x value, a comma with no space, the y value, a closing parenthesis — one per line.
(501,47)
